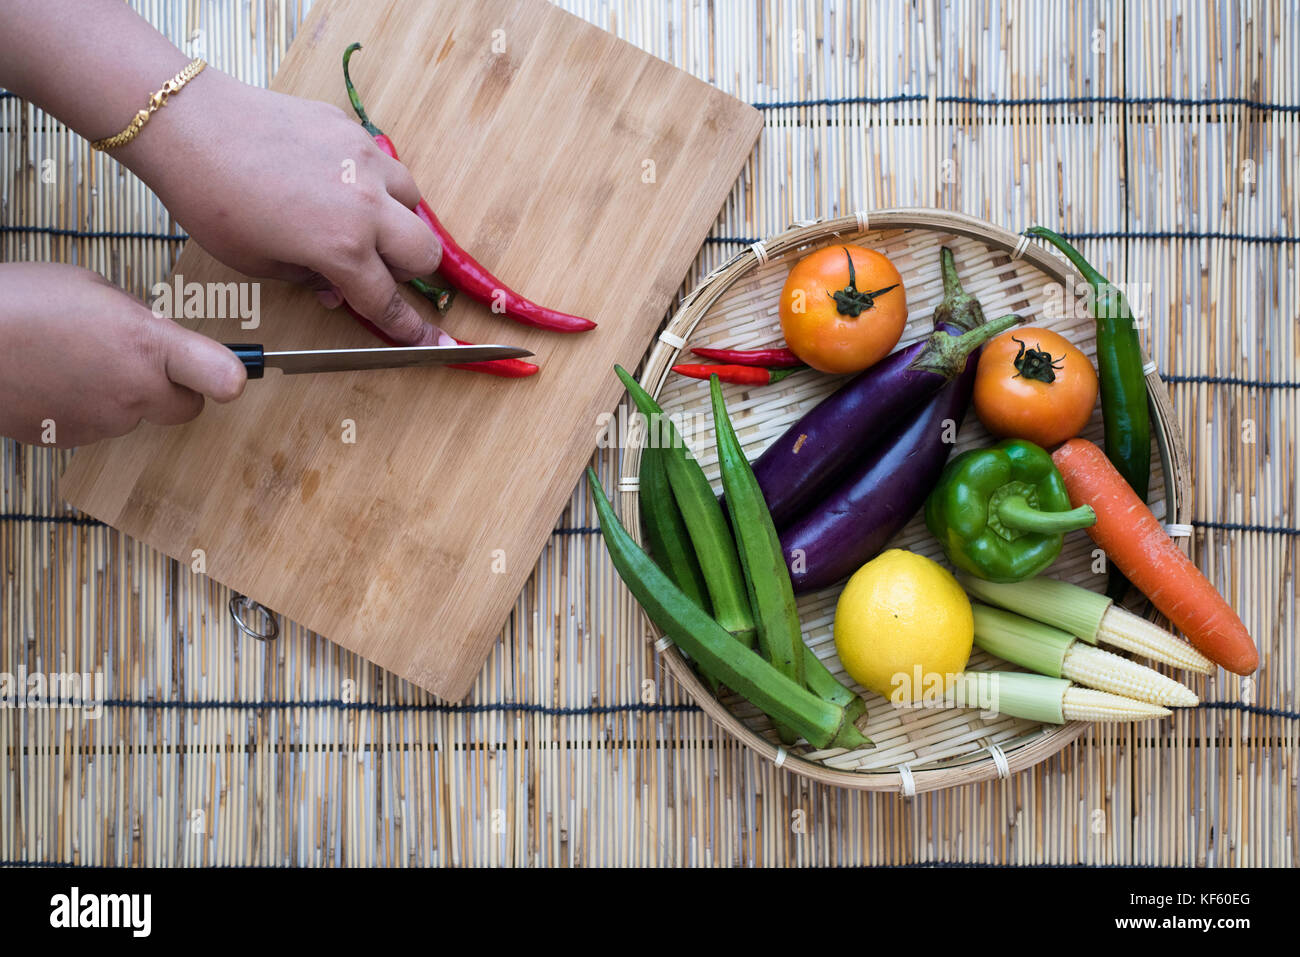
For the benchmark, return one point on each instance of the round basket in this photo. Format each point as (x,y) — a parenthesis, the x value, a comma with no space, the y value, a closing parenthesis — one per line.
(735,307)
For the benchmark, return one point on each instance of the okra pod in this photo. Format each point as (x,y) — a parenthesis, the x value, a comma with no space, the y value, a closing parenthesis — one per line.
(715,548)
(821,723)
(776,619)
(665,529)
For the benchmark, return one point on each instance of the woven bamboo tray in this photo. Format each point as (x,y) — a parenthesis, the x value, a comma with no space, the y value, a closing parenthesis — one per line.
(735,306)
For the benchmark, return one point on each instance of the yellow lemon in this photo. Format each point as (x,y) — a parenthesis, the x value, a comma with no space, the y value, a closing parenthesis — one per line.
(903,619)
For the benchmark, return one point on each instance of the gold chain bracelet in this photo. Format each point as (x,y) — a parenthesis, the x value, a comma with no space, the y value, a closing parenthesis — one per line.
(156,101)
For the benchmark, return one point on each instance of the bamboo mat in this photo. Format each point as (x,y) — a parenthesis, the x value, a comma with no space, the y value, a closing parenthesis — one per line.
(1162,136)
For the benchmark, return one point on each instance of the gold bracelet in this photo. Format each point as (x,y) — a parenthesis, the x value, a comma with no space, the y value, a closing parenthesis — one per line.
(159,99)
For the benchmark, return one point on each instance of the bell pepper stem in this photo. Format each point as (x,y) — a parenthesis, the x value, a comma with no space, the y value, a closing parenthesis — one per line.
(1014,511)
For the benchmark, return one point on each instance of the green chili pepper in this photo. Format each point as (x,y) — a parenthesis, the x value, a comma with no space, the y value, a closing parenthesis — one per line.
(1123,383)
(822,723)
(705,522)
(1001,513)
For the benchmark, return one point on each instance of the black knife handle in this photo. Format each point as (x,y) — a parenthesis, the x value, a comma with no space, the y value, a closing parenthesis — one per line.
(250,354)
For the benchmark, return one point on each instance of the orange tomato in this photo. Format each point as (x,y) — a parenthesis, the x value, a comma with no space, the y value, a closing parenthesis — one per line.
(1034,384)
(843,308)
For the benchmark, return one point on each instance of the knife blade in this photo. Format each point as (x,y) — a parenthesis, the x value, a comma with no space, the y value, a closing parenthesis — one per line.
(256,360)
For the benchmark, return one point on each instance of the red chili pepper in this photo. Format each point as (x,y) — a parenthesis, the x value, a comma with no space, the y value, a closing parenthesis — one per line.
(739,375)
(506,368)
(768,358)
(460,268)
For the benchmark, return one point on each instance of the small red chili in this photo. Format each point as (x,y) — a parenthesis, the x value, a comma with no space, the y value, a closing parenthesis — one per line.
(460,268)
(735,374)
(768,358)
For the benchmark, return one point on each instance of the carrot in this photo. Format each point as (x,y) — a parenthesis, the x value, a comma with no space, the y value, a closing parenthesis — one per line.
(1139,547)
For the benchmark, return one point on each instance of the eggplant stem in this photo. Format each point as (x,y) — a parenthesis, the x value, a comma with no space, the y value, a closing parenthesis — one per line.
(947,356)
(948,268)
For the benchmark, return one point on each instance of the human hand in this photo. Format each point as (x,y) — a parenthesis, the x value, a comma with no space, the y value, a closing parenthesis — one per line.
(285,188)
(80,360)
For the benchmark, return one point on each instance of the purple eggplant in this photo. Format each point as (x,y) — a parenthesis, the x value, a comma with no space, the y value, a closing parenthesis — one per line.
(816,453)
(854,521)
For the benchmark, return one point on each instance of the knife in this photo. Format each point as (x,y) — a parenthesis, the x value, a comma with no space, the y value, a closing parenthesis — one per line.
(256,360)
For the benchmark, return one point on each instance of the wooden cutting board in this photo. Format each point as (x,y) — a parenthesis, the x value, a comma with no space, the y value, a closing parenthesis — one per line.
(586,174)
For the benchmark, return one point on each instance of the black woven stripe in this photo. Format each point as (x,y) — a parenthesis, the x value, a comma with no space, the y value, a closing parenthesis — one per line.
(946,98)
(337,704)
(1160,235)
(1189,235)
(95,234)
(919,865)
(1098,100)
(1230,380)
(503,707)
(1239,527)
(50,519)
(85,520)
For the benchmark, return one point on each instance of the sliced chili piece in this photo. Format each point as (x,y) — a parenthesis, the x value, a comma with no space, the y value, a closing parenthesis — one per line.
(505,368)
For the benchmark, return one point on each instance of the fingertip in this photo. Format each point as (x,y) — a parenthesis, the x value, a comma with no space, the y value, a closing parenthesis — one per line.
(228,379)
(407,326)
(329,298)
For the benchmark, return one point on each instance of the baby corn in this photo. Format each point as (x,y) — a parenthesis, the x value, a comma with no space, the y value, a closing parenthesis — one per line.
(1051,700)
(1090,616)
(1087,704)
(1050,651)
(1105,671)
(1123,629)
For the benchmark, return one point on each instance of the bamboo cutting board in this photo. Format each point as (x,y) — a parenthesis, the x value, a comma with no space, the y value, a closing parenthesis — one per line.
(586,174)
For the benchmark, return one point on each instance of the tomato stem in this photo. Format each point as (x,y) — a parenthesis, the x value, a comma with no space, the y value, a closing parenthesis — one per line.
(1035,363)
(852,301)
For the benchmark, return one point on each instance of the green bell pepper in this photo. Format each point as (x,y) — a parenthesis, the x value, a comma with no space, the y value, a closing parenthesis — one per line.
(1001,513)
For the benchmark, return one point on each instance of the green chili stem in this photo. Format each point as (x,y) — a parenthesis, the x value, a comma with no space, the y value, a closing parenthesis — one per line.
(355,99)
(1086,269)
(1015,512)
(437,295)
